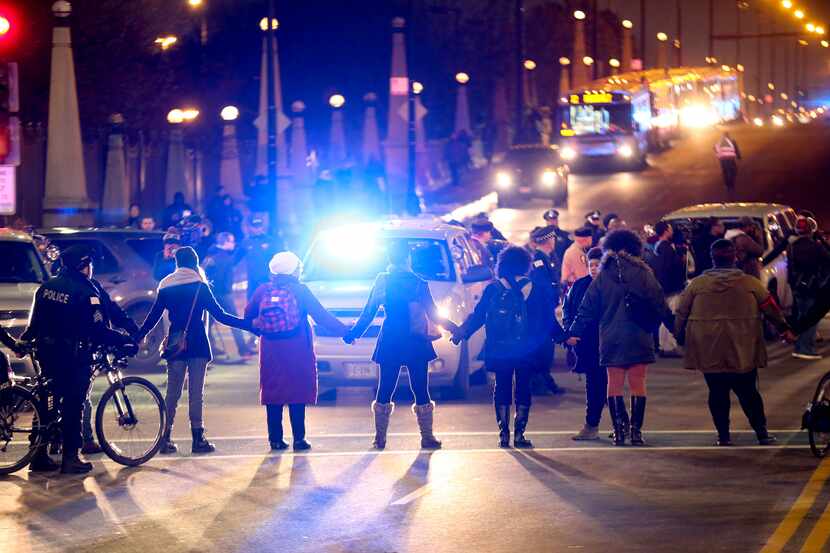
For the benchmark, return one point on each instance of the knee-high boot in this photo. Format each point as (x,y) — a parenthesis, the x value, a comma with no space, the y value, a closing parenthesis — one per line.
(638,415)
(382,412)
(424,415)
(520,423)
(619,417)
(503,420)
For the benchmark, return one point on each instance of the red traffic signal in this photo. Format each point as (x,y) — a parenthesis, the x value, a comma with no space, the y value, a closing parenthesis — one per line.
(5,25)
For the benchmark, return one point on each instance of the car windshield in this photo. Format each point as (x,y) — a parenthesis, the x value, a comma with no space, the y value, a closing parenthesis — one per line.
(335,256)
(691,227)
(21,263)
(146,248)
(530,157)
(599,119)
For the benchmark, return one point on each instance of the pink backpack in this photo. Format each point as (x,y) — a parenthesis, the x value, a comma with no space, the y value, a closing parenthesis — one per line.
(279,313)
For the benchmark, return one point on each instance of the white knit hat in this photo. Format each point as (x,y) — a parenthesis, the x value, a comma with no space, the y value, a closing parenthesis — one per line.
(284,263)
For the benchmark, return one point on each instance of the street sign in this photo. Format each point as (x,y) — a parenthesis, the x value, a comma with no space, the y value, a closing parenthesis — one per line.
(8,190)
(420,111)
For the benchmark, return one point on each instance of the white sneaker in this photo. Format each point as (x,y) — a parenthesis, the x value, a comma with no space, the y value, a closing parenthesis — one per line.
(807,356)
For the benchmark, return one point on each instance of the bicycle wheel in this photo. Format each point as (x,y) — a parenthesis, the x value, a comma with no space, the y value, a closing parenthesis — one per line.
(20,428)
(820,441)
(130,421)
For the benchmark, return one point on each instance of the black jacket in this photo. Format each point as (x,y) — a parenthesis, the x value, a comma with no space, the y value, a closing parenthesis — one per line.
(587,350)
(547,269)
(177,301)
(114,315)
(163,266)
(809,264)
(219,266)
(258,251)
(669,267)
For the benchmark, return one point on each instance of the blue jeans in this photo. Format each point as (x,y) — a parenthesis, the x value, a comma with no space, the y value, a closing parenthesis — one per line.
(806,343)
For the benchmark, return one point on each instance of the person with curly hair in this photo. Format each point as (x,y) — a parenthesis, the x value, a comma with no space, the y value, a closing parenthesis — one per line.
(627,303)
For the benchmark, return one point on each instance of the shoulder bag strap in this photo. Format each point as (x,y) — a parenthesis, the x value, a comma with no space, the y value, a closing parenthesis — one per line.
(192,308)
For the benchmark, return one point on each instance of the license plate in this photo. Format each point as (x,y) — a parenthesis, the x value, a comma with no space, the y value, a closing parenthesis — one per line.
(525,189)
(361,370)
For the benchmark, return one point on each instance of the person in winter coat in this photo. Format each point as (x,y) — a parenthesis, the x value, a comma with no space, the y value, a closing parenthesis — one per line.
(808,267)
(517,316)
(719,320)
(587,351)
(748,246)
(219,266)
(405,339)
(186,297)
(574,262)
(707,235)
(628,304)
(287,365)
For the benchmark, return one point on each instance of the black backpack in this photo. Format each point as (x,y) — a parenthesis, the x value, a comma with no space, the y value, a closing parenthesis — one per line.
(506,323)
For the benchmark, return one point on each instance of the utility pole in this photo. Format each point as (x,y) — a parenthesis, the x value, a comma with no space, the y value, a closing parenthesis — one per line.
(595,38)
(711,28)
(520,48)
(272,116)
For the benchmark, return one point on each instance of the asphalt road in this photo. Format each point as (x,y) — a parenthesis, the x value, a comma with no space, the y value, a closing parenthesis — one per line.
(678,494)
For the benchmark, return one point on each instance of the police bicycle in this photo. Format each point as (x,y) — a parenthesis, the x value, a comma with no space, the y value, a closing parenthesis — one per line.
(816,418)
(129,420)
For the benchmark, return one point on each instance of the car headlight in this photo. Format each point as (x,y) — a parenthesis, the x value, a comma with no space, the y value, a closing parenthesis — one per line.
(567,153)
(504,179)
(758,122)
(549,178)
(625,151)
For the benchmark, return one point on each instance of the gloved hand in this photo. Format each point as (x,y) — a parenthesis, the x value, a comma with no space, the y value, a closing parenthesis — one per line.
(456,339)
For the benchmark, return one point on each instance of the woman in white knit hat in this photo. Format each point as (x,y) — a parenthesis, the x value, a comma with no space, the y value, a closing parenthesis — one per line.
(287,365)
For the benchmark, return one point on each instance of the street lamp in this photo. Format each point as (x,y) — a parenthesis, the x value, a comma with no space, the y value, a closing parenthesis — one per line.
(819,30)
(740,68)
(337,101)
(662,37)
(614,62)
(166,42)
(229,113)
(175,116)
(417,87)
(564,61)
(190,114)
(530,65)
(771,86)
(810,27)
(787,4)
(195,3)
(588,60)
(726,68)
(626,23)
(263,24)
(825,44)
(798,14)
(579,15)
(462,78)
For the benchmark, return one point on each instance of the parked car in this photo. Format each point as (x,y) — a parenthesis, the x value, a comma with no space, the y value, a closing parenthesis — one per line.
(531,171)
(22,271)
(340,268)
(776,222)
(123,264)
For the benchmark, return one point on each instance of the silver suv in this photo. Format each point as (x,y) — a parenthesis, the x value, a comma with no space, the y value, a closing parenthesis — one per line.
(22,271)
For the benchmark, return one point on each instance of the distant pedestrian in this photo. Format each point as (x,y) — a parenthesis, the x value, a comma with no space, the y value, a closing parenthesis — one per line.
(186,297)
(808,268)
(148,223)
(279,310)
(164,262)
(719,321)
(627,303)
(748,246)
(575,261)
(587,351)
(134,216)
(516,315)
(669,265)
(405,339)
(175,212)
(728,154)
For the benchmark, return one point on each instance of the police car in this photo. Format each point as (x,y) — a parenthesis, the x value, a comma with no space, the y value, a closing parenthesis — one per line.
(22,271)
(341,267)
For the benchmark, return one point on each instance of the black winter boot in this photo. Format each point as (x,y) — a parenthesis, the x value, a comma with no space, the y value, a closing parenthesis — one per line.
(167,446)
(41,462)
(619,417)
(200,444)
(72,464)
(520,423)
(503,420)
(638,415)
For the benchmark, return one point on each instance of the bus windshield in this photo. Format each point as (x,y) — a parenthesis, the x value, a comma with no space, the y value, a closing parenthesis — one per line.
(599,119)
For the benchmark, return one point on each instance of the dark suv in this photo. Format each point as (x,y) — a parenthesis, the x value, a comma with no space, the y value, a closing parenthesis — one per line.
(531,171)
(123,264)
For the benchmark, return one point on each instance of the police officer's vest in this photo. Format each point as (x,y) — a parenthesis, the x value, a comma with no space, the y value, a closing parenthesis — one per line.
(725,149)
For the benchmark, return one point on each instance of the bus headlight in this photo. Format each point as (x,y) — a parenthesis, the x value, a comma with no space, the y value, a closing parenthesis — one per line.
(758,122)
(549,178)
(567,153)
(504,179)
(625,151)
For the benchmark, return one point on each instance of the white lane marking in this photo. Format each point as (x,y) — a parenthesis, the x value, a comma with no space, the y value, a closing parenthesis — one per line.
(599,448)
(410,497)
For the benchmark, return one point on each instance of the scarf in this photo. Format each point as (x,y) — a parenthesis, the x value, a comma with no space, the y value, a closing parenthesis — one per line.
(182,275)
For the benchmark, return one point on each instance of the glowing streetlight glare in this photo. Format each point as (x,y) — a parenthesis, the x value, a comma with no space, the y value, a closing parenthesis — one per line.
(190,114)
(787,4)
(229,113)
(810,27)
(802,42)
(751,98)
(662,37)
(588,60)
(771,86)
(165,42)
(530,65)
(614,62)
(726,68)
(5,25)
(564,61)
(417,87)
(627,24)
(337,101)
(784,96)
(263,24)
(740,67)
(175,116)
(194,3)
(825,44)
(819,30)
(798,14)
(462,78)
(579,15)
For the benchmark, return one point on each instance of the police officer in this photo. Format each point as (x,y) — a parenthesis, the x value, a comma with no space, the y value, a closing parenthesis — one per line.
(259,248)
(563,239)
(728,154)
(67,321)
(546,272)
(593,221)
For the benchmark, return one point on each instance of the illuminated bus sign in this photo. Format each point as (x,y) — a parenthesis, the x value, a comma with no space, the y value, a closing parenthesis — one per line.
(595,98)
